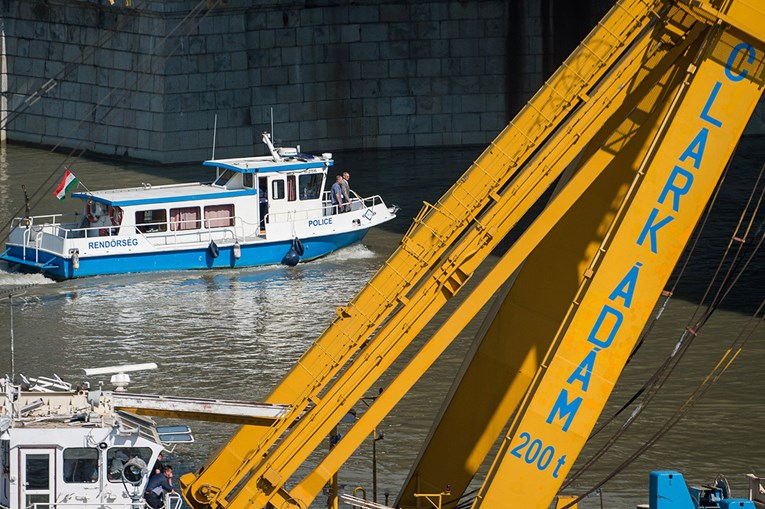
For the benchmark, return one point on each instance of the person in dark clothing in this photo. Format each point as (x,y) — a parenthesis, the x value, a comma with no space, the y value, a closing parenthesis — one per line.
(336,194)
(346,191)
(159,467)
(159,484)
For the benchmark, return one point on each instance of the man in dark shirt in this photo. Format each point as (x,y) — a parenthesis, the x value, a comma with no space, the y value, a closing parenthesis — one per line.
(336,193)
(159,484)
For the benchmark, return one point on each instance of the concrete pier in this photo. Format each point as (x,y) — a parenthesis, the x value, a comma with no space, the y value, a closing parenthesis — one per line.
(145,79)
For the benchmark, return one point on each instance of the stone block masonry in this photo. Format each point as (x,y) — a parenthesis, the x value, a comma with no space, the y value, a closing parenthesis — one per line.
(146,79)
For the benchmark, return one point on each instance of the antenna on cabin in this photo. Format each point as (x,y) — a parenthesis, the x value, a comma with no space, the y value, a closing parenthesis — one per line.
(120,377)
(272,123)
(215,132)
(10,313)
(274,152)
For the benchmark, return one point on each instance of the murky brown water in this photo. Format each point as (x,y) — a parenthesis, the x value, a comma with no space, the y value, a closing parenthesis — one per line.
(234,333)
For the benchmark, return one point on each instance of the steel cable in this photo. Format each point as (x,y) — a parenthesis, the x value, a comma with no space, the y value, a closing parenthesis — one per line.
(712,377)
(659,377)
(48,183)
(732,276)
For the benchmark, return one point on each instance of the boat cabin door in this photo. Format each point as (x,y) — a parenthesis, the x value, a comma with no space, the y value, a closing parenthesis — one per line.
(36,477)
(282,196)
(263,200)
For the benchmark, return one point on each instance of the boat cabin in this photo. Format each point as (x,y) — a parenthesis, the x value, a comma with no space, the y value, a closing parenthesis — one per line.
(246,197)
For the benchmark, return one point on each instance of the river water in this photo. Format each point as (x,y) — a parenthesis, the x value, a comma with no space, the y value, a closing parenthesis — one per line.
(233,334)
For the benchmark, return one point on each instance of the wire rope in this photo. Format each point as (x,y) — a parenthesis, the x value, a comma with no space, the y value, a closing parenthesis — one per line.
(735,270)
(652,386)
(712,377)
(48,183)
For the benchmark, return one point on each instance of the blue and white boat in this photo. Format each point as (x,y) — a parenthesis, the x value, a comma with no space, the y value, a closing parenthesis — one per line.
(258,211)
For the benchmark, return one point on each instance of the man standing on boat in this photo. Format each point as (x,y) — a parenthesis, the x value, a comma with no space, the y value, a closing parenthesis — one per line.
(159,483)
(346,192)
(337,193)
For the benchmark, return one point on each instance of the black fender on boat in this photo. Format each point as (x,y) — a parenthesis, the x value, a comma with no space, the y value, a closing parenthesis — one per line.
(291,258)
(213,248)
(293,255)
(297,245)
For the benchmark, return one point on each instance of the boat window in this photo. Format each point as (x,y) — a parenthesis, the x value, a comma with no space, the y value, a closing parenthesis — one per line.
(185,218)
(219,215)
(291,188)
(247,180)
(224,177)
(150,221)
(116,457)
(80,465)
(277,189)
(37,468)
(310,186)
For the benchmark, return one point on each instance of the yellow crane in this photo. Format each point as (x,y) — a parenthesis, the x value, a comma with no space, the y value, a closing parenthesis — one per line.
(635,128)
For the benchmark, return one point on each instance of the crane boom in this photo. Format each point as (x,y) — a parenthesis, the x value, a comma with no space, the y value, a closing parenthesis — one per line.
(442,235)
(640,122)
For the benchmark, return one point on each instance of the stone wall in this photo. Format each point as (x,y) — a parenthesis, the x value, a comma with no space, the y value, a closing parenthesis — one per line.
(152,79)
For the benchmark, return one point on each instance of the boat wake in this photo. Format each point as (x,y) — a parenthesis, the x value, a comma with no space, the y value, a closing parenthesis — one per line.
(353,252)
(16,279)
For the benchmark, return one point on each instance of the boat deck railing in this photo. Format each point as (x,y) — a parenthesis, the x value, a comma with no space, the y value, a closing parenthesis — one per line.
(56,229)
(159,233)
(55,225)
(50,220)
(756,490)
(172,501)
(326,209)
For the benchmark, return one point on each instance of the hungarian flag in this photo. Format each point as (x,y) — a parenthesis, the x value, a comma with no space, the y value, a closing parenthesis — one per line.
(67,183)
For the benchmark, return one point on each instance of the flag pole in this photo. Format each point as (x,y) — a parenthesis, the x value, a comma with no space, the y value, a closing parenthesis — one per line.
(79,182)
(26,200)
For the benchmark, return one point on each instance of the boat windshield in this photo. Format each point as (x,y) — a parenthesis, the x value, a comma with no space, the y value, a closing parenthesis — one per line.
(224,177)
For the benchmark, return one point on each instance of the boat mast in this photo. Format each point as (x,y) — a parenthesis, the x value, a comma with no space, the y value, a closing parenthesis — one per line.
(13,357)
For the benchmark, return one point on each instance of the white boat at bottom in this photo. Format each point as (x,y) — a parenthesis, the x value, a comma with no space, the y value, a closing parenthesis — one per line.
(67,446)
(258,211)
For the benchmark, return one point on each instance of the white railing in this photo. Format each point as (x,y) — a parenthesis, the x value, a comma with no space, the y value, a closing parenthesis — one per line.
(157,233)
(325,210)
(52,219)
(53,225)
(362,503)
(756,490)
(172,501)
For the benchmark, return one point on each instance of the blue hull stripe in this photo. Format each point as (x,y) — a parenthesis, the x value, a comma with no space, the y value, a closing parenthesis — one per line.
(251,255)
(168,199)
